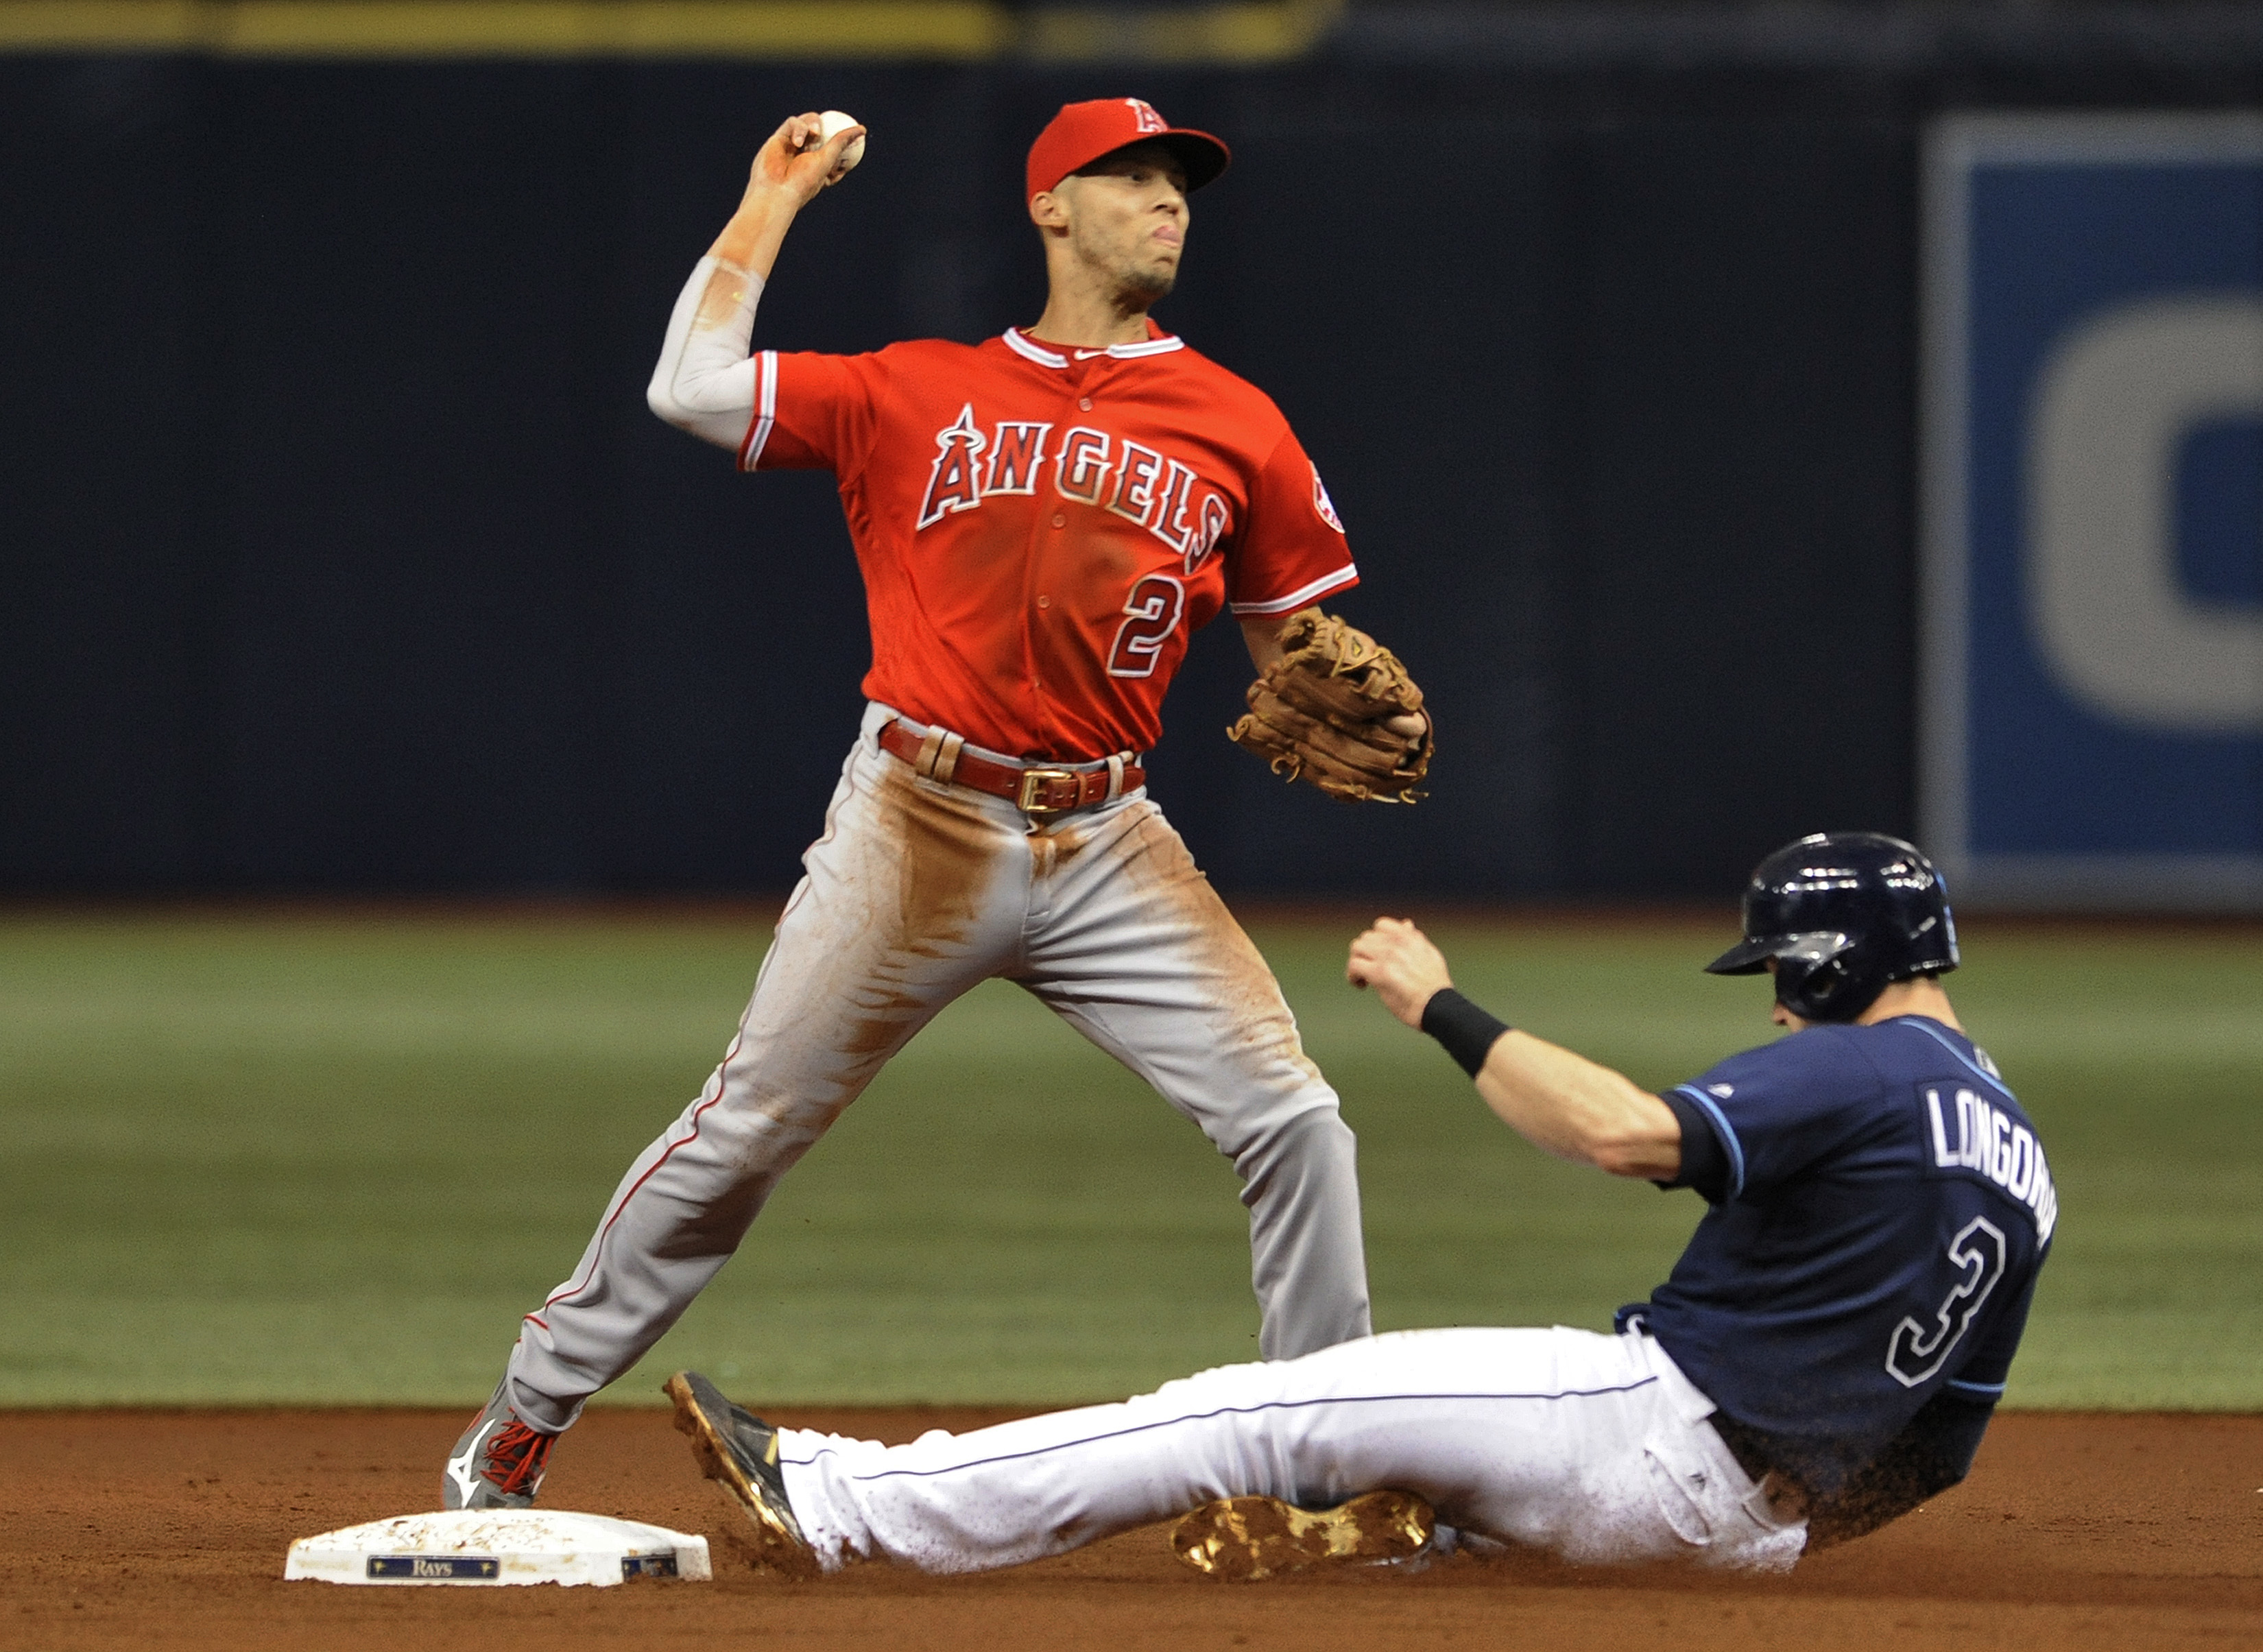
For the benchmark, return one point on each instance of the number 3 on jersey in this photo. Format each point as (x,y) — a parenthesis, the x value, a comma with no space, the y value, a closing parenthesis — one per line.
(1150,613)
(1976,1256)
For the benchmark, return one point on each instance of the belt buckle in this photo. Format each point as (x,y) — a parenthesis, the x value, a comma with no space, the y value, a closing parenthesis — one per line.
(1027,800)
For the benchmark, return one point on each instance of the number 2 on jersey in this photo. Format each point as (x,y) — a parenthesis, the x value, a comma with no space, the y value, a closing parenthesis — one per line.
(1977,1254)
(1150,613)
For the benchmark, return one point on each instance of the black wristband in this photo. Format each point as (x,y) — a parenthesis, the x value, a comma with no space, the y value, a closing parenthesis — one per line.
(1467,1032)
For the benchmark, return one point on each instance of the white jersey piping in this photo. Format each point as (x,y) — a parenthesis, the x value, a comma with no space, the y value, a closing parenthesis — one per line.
(1036,352)
(1300,596)
(766,409)
(1152,347)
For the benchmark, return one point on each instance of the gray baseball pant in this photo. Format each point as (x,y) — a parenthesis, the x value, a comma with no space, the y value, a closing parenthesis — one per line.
(915,892)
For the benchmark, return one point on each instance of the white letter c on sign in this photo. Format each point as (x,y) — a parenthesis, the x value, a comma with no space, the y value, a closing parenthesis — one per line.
(2114,400)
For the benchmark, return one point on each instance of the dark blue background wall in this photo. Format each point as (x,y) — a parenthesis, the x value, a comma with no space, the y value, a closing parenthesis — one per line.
(338,552)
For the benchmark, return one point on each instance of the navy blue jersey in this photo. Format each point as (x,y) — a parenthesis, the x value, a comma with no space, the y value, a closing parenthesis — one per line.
(1873,1241)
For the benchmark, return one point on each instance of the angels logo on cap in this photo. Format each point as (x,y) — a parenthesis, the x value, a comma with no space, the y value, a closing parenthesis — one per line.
(1082,133)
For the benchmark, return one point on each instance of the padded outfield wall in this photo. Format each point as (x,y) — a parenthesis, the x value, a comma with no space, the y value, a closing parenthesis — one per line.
(339,553)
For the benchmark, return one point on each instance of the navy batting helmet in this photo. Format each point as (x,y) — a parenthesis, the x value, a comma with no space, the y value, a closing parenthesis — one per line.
(1843,914)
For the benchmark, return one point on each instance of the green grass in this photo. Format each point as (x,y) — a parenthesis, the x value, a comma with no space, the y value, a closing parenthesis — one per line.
(311,1159)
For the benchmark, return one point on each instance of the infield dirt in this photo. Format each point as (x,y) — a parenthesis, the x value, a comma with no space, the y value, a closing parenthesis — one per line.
(140,1528)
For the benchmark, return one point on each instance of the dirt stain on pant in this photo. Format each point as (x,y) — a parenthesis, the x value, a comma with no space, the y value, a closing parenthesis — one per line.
(942,856)
(949,856)
(1251,1010)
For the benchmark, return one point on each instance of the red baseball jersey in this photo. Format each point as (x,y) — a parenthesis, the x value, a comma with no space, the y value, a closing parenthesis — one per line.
(1041,528)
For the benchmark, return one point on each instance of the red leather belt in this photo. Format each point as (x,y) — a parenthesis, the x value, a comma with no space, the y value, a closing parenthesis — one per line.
(1033,788)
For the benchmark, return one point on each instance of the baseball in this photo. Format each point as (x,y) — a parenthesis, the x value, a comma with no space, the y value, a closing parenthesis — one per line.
(831,122)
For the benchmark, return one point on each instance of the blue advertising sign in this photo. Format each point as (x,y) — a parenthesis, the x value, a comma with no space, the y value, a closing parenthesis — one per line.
(2093,670)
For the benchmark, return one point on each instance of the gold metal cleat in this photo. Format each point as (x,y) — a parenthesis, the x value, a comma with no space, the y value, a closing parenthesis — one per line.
(738,1450)
(1247,1538)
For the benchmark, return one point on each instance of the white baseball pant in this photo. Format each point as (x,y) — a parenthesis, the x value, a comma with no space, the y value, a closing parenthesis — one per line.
(1592,1447)
(917,891)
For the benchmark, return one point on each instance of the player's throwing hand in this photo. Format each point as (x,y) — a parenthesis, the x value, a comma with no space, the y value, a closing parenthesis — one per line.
(799,160)
(1399,962)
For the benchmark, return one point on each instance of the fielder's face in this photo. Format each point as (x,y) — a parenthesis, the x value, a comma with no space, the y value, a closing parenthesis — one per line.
(1127,219)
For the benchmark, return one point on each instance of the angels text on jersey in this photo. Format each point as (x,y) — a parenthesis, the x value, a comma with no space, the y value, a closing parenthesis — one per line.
(1159,492)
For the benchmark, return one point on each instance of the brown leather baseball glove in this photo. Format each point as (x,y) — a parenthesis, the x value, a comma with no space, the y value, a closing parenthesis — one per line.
(1338,709)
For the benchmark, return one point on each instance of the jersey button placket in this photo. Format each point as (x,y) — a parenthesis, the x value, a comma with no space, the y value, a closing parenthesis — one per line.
(1040,600)
(1060,518)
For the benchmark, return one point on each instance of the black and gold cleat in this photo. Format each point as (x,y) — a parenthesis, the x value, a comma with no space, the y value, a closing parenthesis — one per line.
(738,1450)
(1247,1538)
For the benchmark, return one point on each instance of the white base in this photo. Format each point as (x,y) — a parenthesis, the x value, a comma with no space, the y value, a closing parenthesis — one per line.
(494,1547)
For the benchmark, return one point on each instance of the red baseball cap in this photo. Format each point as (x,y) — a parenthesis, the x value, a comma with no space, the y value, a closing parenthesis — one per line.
(1082,133)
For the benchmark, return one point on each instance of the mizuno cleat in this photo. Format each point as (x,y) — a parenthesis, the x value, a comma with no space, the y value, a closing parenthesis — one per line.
(1247,1538)
(498,1463)
(738,1450)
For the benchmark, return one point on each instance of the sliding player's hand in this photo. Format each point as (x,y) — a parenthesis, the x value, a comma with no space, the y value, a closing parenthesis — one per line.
(1398,962)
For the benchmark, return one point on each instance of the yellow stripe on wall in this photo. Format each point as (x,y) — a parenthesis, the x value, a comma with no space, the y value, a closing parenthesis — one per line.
(566,28)
(1249,33)
(950,30)
(512,28)
(97,26)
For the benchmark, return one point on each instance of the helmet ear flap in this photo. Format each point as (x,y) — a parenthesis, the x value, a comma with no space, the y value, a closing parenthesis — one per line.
(1824,990)
(1803,986)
